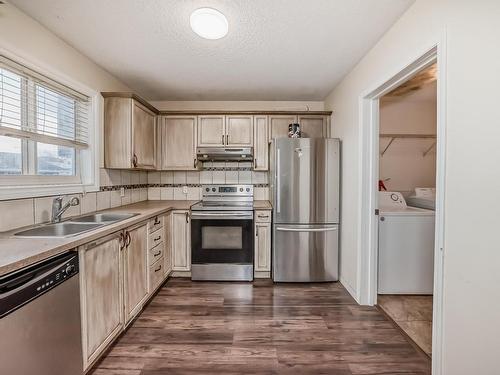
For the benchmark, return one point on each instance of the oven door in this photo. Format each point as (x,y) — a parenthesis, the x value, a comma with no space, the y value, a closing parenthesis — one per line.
(222,245)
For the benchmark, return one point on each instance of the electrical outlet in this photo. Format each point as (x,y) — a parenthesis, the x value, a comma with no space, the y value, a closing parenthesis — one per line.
(184,190)
(122,192)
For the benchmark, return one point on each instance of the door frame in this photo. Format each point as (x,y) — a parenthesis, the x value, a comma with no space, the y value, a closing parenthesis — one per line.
(369,175)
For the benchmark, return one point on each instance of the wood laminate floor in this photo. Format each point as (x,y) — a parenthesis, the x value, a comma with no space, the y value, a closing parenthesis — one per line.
(413,314)
(260,328)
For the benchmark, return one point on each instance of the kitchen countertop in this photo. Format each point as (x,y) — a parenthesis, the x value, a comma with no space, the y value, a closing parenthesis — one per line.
(262,205)
(16,252)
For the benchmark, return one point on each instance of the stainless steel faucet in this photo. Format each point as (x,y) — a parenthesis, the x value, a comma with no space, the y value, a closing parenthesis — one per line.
(58,209)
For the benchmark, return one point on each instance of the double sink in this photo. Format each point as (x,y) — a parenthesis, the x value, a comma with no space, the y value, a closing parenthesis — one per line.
(76,226)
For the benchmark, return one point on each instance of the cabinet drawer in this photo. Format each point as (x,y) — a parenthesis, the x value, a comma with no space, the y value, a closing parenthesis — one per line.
(155,238)
(263,216)
(155,223)
(156,274)
(156,253)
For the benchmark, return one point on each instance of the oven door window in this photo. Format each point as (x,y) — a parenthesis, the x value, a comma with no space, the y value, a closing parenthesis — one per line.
(222,241)
(221,237)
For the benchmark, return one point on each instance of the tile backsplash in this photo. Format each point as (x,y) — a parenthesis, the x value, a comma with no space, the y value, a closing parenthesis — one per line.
(138,186)
(182,185)
(23,212)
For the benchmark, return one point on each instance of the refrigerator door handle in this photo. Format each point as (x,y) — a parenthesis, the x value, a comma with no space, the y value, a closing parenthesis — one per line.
(282,229)
(278,187)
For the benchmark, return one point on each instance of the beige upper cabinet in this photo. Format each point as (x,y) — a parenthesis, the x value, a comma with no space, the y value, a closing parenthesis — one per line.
(135,259)
(101,295)
(314,126)
(211,131)
(261,143)
(143,137)
(225,131)
(129,134)
(239,131)
(278,125)
(181,241)
(178,143)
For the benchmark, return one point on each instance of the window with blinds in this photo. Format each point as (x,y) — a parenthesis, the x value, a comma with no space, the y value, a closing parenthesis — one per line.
(43,124)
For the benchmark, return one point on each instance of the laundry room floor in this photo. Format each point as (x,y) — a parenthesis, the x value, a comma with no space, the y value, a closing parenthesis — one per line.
(260,328)
(413,314)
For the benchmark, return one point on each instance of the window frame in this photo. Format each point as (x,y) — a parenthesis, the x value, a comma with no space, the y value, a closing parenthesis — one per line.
(86,178)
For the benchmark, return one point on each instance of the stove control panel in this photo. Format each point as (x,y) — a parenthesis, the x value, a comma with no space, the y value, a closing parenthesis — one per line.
(227,190)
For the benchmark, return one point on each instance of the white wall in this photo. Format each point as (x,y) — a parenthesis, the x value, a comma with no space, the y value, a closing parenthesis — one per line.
(239,105)
(472,250)
(26,39)
(404,161)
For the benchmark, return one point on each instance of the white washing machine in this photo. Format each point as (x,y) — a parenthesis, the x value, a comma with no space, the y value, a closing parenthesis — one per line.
(405,247)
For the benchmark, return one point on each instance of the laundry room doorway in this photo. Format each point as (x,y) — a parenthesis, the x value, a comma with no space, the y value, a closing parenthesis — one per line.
(406,204)
(401,176)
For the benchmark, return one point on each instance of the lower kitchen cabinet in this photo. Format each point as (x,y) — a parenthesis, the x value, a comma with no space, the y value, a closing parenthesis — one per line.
(119,272)
(135,270)
(262,255)
(181,240)
(167,258)
(101,295)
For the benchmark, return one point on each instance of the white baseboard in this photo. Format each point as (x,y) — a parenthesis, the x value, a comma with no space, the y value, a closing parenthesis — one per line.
(181,274)
(262,275)
(349,288)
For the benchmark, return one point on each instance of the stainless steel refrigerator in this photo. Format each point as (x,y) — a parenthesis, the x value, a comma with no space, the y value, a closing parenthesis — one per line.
(305,196)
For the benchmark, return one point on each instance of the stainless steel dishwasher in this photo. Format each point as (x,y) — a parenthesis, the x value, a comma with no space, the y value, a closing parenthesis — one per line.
(40,329)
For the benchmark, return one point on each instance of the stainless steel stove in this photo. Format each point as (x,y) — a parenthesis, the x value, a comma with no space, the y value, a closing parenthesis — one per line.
(222,234)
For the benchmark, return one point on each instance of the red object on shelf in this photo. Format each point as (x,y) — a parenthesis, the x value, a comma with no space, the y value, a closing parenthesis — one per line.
(381,186)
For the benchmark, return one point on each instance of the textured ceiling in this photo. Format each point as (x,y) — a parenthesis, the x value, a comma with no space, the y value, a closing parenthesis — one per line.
(275,49)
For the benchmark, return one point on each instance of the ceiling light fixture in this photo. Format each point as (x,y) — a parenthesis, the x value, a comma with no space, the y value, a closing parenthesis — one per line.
(209,23)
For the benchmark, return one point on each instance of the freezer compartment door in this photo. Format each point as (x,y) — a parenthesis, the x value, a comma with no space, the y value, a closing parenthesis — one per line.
(305,253)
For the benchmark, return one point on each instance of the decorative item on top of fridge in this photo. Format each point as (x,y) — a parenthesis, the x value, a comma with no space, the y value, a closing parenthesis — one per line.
(294,131)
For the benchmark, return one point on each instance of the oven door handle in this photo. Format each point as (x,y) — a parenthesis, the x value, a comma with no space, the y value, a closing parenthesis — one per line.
(221,215)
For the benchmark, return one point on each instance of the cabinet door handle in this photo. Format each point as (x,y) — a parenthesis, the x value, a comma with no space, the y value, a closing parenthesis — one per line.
(157,221)
(121,240)
(227,139)
(157,238)
(187,217)
(128,239)
(194,163)
(134,160)
(159,268)
(263,216)
(222,138)
(156,254)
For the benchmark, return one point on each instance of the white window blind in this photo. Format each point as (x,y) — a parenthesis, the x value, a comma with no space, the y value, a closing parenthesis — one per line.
(37,108)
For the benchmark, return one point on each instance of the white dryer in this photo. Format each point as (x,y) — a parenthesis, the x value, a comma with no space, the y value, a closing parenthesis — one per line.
(405,247)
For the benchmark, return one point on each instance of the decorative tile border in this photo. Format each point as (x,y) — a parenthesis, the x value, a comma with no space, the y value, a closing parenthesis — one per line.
(126,187)
(227,169)
(142,186)
(174,185)
(200,185)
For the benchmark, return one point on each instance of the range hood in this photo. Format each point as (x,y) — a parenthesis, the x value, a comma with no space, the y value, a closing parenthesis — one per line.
(224,153)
